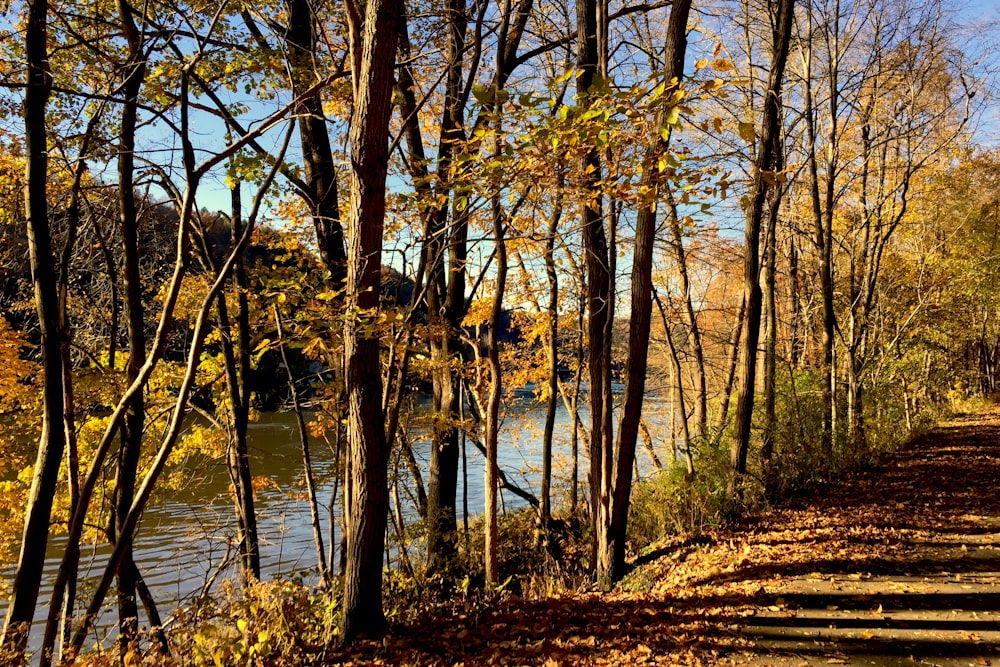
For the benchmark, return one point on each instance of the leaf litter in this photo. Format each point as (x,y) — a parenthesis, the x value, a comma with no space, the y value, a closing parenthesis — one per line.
(862,571)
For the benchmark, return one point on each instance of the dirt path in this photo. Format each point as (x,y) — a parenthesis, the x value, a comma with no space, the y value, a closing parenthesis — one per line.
(905,564)
(898,566)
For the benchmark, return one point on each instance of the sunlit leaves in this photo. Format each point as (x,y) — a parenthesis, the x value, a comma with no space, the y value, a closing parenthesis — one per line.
(16,372)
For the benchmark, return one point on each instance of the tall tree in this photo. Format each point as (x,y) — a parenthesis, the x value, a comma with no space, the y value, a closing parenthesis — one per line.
(237,369)
(375,42)
(642,289)
(599,297)
(763,174)
(445,239)
(131,436)
(31,560)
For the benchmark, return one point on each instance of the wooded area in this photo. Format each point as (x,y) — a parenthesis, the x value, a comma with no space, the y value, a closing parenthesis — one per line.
(778,218)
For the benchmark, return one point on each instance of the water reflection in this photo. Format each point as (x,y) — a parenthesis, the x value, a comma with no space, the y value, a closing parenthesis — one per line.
(186,535)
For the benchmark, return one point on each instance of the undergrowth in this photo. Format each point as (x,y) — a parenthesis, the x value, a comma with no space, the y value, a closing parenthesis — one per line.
(290,623)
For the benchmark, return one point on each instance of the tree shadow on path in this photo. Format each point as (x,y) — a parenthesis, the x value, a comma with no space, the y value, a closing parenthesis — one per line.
(898,565)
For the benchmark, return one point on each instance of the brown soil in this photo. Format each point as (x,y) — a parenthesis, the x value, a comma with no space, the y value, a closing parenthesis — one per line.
(897,566)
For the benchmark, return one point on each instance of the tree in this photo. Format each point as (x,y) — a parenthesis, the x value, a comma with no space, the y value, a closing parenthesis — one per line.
(27,578)
(600,303)
(317,154)
(375,40)
(132,431)
(763,174)
(642,287)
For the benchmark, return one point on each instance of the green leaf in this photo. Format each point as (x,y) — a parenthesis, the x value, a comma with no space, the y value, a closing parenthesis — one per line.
(481,94)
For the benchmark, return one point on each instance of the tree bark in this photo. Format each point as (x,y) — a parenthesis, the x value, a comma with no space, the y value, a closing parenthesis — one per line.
(691,320)
(552,358)
(771,330)
(767,149)
(368,452)
(822,212)
(307,469)
(642,300)
(445,250)
(731,367)
(131,437)
(598,263)
(237,369)
(317,154)
(31,560)
(491,565)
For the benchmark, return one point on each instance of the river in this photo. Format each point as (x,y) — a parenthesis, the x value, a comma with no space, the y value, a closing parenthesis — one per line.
(186,533)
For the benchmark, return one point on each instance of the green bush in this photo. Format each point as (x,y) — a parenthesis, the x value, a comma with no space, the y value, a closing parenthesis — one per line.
(270,623)
(672,502)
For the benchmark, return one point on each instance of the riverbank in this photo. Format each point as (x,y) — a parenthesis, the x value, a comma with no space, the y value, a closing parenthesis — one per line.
(898,565)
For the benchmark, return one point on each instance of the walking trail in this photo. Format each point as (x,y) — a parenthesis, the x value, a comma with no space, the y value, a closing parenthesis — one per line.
(896,566)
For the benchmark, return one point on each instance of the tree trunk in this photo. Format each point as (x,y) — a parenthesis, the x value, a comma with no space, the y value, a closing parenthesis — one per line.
(642,306)
(131,438)
(69,400)
(575,404)
(794,309)
(445,250)
(237,368)
(317,155)
(822,212)
(731,366)
(552,358)
(493,402)
(31,560)
(677,406)
(771,330)
(691,320)
(595,245)
(368,450)
(307,470)
(767,150)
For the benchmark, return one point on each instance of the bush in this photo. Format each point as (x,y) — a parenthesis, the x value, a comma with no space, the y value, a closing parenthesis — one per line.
(270,623)
(673,502)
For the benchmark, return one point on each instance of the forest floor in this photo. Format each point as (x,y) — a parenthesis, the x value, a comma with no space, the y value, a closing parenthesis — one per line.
(898,565)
